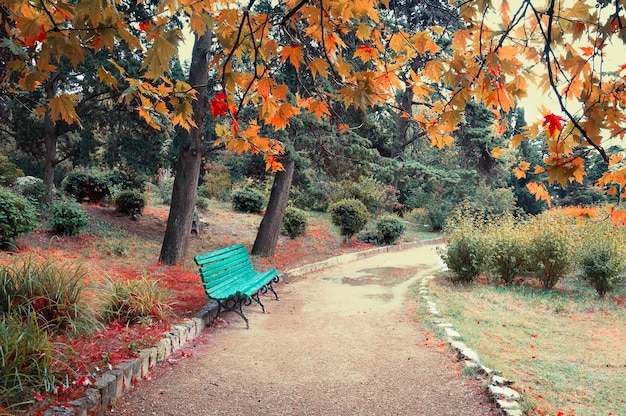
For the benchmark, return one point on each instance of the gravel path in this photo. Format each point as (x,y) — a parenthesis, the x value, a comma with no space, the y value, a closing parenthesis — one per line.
(342,341)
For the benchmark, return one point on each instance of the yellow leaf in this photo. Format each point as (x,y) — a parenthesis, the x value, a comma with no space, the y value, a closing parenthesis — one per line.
(496,153)
(183,115)
(363,32)
(63,107)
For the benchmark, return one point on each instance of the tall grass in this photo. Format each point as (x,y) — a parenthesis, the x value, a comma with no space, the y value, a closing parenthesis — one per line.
(52,293)
(136,301)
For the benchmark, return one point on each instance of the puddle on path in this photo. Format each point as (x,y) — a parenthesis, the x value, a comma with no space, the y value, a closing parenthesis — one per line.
(380,276)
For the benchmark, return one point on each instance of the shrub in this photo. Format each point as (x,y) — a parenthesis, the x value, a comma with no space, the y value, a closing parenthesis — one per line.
(217,180)
(87,185)
(17,217)
(68,218)
(369,191)
(464,252)
(602,265)
(506,249)
(9,172)
(135,301)
(248,200)
(130,203)
(390,228)
(350,215)
(295,222)
(26,363)
(32,189)
(52,294)
(551,249)
(203,203)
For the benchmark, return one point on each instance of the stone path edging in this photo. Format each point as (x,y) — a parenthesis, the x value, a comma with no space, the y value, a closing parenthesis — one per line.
(126,375)
(505,397)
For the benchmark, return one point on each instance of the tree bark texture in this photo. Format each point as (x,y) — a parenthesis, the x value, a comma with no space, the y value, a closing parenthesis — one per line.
(179,221)
(271,224)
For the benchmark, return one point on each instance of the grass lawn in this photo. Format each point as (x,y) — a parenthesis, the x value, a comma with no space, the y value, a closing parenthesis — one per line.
(565,349)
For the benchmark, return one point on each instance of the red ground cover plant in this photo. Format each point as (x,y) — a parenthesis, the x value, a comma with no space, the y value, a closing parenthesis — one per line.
(87,357)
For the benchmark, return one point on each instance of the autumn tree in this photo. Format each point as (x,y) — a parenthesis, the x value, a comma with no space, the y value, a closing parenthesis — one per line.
(493,59)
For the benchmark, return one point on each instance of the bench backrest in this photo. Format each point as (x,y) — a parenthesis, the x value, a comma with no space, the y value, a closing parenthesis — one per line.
(221,265)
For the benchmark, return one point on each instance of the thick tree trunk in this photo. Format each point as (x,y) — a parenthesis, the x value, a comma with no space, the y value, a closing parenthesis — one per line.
(180,218)
(269,230)
(50,143)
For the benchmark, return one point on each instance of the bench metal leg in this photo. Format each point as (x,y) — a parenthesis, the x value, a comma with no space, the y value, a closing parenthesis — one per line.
(234,305)
(257,299)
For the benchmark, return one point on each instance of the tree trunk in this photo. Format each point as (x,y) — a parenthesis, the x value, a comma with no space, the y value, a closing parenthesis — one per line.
(271,224)
(50,142)
(180,218)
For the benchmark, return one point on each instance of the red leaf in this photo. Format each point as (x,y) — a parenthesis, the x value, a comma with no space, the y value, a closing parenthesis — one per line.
(554,122)
(39,38)
(144,26)
(219,106)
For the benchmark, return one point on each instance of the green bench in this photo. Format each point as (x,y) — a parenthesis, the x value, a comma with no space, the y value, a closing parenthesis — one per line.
(229,278)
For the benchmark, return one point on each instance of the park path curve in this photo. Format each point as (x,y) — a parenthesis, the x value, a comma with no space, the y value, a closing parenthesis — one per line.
(341,341)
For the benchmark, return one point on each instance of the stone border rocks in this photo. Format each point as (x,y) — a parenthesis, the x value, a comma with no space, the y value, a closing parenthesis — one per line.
(499,388)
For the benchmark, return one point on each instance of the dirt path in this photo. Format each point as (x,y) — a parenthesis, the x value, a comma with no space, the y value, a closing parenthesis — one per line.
(339,342)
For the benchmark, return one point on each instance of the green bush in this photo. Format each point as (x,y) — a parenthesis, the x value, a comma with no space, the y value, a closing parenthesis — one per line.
(139,301)
(506,249)
(551,249)
(248,200)
(602,265)
(390,228)
(216,180)
(9,172)
(17,217)
(130,203)
(32,189)
(68,217)
(369,191)
(295,222)
(26,363)
(91,185)
(464,252)
(203,203)
(350,215)
(52,294)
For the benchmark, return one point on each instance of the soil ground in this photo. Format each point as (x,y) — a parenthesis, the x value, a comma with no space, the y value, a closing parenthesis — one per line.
(341,341)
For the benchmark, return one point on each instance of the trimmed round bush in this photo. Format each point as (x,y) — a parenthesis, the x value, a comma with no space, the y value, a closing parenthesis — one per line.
(389,229)
(248,200)
(295,222)
(68,218)
(130,203)
(350,215)
(17,217)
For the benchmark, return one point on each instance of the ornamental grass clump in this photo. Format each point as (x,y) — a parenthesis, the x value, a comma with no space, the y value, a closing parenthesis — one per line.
(52,294)
(26,363)
(138,301)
